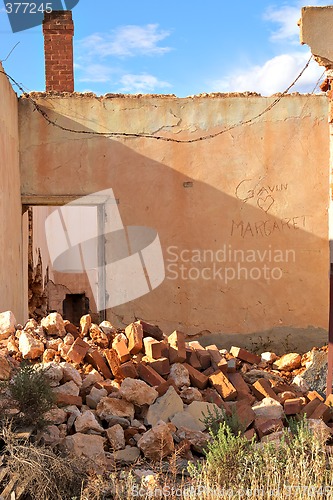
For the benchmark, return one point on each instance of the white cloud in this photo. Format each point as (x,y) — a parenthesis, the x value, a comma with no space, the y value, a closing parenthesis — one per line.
(125,41)
(141,83)
(94,73)
(287,17)
(275,75)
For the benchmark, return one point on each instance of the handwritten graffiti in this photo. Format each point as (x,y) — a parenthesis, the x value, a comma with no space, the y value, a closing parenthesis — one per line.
(266,228)
(264,196)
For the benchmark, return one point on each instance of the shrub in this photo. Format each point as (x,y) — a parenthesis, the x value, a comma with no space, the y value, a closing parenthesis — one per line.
(32,393)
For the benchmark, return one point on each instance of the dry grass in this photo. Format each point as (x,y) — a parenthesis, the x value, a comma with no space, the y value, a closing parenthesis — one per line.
(298,467)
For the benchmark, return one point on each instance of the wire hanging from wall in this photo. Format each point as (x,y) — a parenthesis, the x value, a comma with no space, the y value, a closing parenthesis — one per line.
(159,137)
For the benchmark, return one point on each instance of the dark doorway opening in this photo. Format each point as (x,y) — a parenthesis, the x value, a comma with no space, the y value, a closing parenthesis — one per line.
(75,305)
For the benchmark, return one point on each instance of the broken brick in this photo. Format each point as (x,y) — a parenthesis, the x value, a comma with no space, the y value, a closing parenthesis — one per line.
(164,386)
(209,371)
(329,400)
(210,395)
(113,361)
(95,358)
(150,330)
(223,386)
(192,358)
(203,355)
(266,426)
(214,354)
(162,366)
(231,365)
(313,395)
(197,378)
(78,350)
(245,355)
(250,434)
(240,385)
(292,406)
(322,411)
(153,348)
(128,369)
(244,413)
(263,389)
(149,375)
(134,333)
(68,400)
(177,349)
(122,350)
(72,329)
(310,407)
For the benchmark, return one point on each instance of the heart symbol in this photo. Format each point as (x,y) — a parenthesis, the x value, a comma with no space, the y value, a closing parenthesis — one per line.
(265,203)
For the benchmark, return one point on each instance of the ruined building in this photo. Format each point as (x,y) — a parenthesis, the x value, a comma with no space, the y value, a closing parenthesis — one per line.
(206,214)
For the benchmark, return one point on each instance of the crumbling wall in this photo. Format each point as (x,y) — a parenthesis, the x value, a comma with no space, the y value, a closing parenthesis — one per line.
(241,215)
(12,275)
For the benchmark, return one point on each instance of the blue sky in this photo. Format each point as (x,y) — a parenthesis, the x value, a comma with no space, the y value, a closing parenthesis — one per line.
(173,47)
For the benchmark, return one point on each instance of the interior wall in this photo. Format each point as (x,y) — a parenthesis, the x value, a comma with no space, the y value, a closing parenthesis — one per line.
(241,216)
(13,275)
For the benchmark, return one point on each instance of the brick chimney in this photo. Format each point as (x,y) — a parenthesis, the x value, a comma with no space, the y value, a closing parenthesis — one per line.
(58,30)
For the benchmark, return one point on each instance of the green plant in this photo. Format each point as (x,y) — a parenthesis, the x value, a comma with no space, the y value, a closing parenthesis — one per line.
(32,392)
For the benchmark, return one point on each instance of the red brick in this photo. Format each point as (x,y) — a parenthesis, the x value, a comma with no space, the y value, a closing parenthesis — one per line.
(164,386)
(245,355)
(72,329)
(215,354)
(197,378)
(263,389)
(134,333)
(78,351)
(209,371)
(210,395)
(105,384)
(329,400)
(231,365)
(292,406)
(266,426)
(192,358)
(240,385)
(95,358)
(250,434)
(58,43)
(149,375)
(177,349)
(162,366)
(128,369)
(68,399)
(153,348)
(203,355)
(223,386)
(310,407)
(281,387)
(113,361)
(322,411)
(122,350)
(313,395)
(150,330)
(244,413)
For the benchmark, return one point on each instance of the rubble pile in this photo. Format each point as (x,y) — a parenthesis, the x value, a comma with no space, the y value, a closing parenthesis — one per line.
(123,394)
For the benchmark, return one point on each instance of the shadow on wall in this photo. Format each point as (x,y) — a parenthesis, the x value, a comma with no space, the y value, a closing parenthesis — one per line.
(241,219)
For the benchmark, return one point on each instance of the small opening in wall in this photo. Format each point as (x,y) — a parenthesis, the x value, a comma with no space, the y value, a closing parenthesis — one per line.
(75,305)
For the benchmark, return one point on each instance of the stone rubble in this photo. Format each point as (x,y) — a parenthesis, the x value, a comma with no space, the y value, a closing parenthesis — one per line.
(139,393)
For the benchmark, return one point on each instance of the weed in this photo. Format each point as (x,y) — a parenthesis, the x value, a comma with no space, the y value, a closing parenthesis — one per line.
(32,394)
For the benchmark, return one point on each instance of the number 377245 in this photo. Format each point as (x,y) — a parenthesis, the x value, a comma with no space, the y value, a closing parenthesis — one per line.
(27,8)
